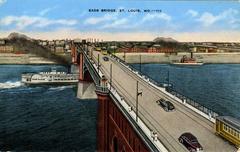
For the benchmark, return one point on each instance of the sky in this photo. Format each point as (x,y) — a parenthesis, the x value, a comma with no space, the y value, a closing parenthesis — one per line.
(182,20)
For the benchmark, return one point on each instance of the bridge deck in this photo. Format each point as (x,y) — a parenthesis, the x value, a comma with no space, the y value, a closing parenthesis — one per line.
(169,125)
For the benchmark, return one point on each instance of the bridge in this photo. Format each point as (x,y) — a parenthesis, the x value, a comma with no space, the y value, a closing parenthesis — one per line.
(129,119)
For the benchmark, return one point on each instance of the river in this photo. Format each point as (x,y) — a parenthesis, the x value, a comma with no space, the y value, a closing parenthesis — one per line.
(216,86)
(43,118)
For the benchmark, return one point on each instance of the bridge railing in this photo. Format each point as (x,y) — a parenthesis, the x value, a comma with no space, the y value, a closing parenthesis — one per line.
(170,90)
(193,103)
(95,75)
(160,84)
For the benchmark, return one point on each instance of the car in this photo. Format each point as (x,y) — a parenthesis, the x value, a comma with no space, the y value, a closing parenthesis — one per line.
(190,142)
(166,105)
(105,58)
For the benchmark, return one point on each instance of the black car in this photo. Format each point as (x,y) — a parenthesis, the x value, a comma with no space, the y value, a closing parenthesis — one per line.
(166,105)
(105,58)
(190,142)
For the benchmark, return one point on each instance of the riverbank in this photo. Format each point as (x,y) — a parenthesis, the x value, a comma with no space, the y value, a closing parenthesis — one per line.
(165,58)
(11,58)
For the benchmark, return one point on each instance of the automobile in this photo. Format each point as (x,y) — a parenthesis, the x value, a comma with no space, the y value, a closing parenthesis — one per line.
(190,142)
(166,105)
(105,58)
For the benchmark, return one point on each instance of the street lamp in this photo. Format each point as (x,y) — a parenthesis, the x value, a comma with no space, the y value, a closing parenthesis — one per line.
(124,56)
(140,59)
(110,76)
(137,94)
(98,63)
(168,78)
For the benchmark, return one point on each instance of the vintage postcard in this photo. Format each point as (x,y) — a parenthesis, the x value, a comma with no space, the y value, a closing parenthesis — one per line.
(120,75)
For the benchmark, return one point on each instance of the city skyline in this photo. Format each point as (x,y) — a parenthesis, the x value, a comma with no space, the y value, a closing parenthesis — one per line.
(183,21)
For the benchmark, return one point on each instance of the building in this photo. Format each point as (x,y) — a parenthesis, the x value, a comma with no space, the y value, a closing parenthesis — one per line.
(2,42)
(60,42)
(51,43)
(6,49)
(59,49)
(158,49)
(154,48)
(43,43)
(67,47)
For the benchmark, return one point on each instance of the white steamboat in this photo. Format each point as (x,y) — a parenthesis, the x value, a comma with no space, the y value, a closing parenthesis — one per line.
(49,78)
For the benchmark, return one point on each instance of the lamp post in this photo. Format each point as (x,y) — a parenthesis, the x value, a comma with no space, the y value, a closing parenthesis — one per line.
(110,76)
(98,63)
(140,59)
(137,94)
(168,79)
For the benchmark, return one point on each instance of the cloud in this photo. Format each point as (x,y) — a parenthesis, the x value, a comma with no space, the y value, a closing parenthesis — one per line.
(45,11)
(208,19)
(22,22)
(117,23)
(2,2)
(154,16)
(97,20)
(228,15)
(192,13)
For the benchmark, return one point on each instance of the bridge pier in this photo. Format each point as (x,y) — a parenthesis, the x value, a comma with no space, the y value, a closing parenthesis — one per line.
(74,54)
(102,121)
(114,131)
(74,69)
(86,87)
(86,90)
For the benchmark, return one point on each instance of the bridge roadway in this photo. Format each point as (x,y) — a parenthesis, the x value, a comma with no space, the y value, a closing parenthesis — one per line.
(168,125)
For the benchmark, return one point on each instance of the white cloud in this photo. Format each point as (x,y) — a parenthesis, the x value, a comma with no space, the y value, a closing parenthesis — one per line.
(22,22)
(154,16)
(192,13)
(97,20)
(208,19)
(2,2)
(229,16)
(44,11)
(117,23)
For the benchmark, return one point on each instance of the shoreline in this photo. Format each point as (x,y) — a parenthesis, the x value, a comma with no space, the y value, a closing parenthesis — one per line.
(131,58)
(182,65)
(24,59)
(206,58)
(31,64)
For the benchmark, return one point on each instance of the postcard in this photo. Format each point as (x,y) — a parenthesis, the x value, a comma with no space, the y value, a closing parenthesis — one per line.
(120,75)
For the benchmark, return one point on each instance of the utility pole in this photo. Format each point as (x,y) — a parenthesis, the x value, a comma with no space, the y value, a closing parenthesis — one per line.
(140,59)
(168,78)
(137,94)
(110,76)
(98,63)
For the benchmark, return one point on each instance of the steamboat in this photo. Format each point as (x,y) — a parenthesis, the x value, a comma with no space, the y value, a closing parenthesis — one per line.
(49,78)
(187,61)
